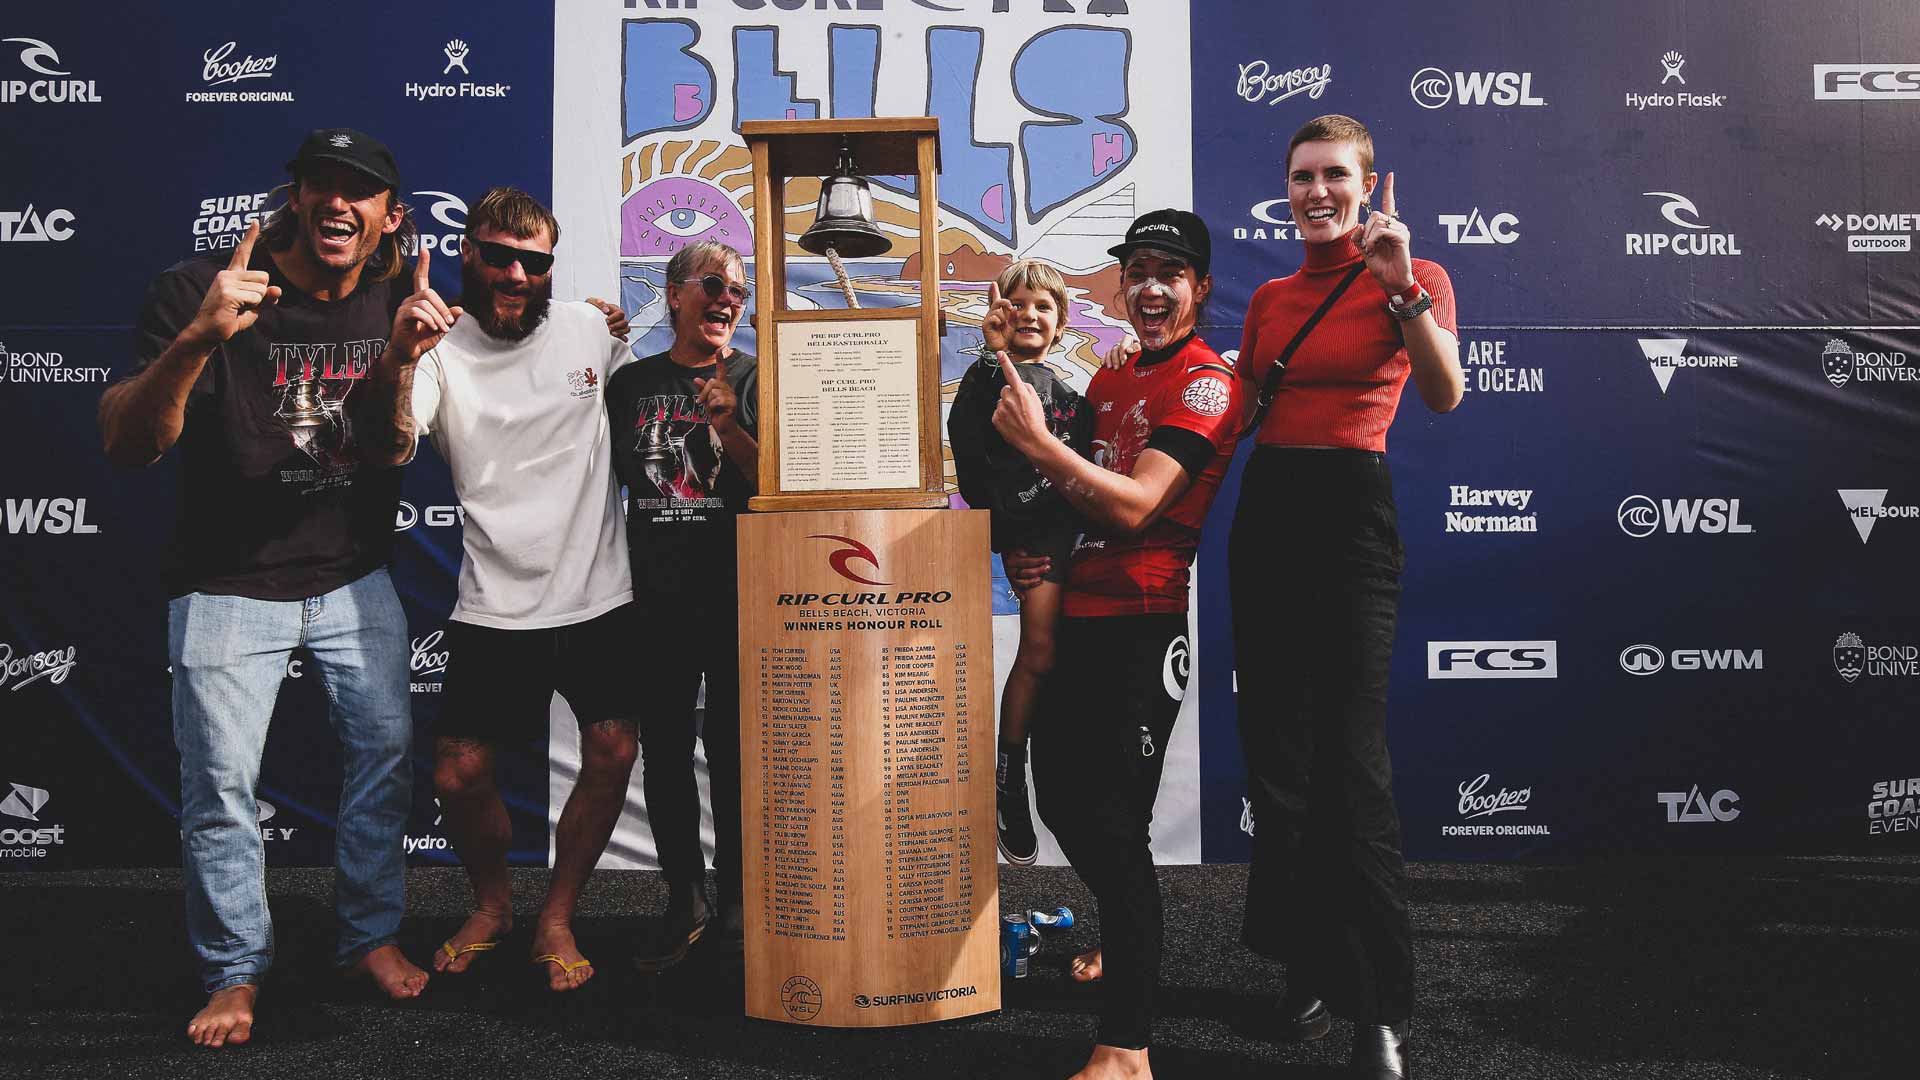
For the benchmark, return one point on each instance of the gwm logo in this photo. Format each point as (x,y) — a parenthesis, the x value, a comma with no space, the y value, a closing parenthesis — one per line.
(854,550)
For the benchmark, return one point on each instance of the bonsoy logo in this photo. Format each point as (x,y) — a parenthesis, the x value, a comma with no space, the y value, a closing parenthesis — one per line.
(1693,807)
(1641,517)
(855,550)
(1867,507)
(1433,88)
(41,58)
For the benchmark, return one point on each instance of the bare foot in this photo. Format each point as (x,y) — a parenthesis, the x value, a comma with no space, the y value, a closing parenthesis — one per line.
(227,1017)
(1085,967)
(572,970)
(1113,1063)
(480,928)
(392,972)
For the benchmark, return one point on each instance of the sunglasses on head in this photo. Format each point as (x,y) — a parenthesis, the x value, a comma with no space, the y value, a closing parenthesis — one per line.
(716,286)
(501,256)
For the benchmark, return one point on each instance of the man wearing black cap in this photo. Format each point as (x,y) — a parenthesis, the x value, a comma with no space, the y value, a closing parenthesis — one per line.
(1164,427)
(251,363)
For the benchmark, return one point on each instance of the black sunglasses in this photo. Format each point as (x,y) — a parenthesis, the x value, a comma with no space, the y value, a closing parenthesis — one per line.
(501,256)
(716,285)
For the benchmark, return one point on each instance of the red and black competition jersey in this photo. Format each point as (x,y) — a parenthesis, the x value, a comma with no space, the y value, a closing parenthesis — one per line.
(1185,402)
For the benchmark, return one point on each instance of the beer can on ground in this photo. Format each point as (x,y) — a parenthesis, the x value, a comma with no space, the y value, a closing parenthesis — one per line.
(1015,936)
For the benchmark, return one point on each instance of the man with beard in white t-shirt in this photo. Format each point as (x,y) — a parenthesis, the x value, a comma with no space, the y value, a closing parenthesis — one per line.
(511,395)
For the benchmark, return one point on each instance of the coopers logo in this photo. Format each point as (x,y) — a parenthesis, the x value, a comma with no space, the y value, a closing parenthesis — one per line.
(1866,82)
(1493,660)
(1699,239)
(40,58)
(1651,659)
(221,67)
(1276,222)
(1867,507)
(1473,228)
(429,659)
(1841,363)
(854,549)
(55,517)
(1641,517)
(1433,88)
(1477,804)
(31,226)
(1694,807)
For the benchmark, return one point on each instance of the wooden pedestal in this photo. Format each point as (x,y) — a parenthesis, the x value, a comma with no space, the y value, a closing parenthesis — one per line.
(867,757)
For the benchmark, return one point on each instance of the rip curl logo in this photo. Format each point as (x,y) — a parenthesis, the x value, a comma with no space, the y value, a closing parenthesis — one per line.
(37,55)
(1173,668)
(1208,396)
(854,550)
(53,665)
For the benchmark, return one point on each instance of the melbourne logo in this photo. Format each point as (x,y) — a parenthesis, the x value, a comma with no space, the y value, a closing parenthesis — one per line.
(1514,500)
(854,550)
(221,68)
(1853,657)
(1667,355)
(1694,807)
(31,226)
(1436,89)
(1276,222)
(1173,668)
(46,367)
(1651,659)
(1868,233)
(1841,363)
(1641,517)
(1474,228)
(455,53)
(1894,807)
(222,219)
(41,58)
(1493,660)
(1258,82)
(1866,82)
(1868,507)
(1660,98)
(1698,239)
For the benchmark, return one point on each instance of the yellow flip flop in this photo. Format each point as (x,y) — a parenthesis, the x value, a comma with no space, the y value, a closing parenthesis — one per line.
(455,954)
(565,968)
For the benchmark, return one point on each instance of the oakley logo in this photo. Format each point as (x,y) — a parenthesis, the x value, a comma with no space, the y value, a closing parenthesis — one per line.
(854,550)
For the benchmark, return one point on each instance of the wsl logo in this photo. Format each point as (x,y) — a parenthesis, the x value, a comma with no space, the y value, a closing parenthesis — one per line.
(1868,507)
(58,517)
(1698,239)
(1641,517)
(1436,89)
(1842,364)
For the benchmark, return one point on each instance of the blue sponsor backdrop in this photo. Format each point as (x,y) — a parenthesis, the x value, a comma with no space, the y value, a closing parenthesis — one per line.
(1743,389)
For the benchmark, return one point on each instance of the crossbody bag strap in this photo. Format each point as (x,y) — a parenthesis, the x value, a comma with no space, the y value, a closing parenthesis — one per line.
(1271,384)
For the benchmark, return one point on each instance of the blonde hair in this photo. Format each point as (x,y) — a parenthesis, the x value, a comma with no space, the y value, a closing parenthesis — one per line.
(514,212)
(1039,277)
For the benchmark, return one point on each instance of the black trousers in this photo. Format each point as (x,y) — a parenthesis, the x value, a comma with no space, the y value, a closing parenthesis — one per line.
(1315,562)
(690,637)
(1097,747)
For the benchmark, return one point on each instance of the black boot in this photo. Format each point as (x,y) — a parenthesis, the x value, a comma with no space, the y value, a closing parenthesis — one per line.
(1015,817)
(680,926)
(1380,1050)
(1303,1017)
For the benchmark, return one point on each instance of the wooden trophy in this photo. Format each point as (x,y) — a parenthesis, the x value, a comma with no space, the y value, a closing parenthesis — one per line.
(866,662)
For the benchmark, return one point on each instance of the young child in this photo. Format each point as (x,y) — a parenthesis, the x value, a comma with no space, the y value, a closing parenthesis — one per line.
(1026,318)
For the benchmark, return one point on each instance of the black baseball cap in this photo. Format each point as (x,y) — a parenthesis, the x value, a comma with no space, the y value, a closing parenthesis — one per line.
(348,147)
(1175,231)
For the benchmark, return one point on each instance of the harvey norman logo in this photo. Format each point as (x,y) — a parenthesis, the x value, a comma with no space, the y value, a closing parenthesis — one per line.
(1641,517)
(1873,232)
(1514,500)
(1436,89)
(1866,82)
(1667,355)
(1868,507)
(1493,660)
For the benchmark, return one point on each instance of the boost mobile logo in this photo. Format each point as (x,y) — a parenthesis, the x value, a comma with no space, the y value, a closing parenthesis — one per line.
(854,550)
(24,802)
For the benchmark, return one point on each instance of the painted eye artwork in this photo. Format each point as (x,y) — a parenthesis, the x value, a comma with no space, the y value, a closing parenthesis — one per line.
(670,208)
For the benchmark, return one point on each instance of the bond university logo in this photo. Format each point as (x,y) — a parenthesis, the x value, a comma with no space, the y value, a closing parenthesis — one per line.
(1854,657)
(1433,88)
(1836,362)
(1667,355)
(1849,656)
(1841,363)
(24,802)
(1694,807)
(1641,517)
(1867,82)
(855,550)
(1867,507)
(1697,237)
(58,88)
(46,366)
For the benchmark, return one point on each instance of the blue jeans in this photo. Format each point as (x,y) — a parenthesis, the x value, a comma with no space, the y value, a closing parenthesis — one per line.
(229,656)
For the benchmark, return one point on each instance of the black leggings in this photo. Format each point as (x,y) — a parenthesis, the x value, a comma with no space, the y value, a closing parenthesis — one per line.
(1098,740)
(689,639)
(1315,563)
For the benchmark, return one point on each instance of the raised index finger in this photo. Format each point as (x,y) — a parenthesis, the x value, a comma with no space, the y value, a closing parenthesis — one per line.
(993,295)
(1009,372)
(243,251)
(420,276)
(1386,197)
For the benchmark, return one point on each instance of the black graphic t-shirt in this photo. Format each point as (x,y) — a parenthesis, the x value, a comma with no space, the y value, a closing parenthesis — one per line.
(274,501)
(682,492)
(995,477)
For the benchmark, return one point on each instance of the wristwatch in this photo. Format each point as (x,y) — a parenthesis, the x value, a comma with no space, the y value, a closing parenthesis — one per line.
(1409,305)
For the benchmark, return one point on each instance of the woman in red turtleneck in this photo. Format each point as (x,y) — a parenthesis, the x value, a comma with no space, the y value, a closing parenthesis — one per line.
(1315,560)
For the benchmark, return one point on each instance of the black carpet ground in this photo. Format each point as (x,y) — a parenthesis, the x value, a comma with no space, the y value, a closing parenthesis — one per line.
(1682,968)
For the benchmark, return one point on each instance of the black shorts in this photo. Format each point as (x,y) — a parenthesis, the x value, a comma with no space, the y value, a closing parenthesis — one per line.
(500,683)
(1056,542)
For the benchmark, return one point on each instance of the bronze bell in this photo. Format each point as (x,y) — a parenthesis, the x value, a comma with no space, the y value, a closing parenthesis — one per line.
(844,219)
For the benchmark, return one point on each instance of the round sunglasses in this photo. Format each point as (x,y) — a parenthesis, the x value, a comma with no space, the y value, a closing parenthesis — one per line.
(715,285)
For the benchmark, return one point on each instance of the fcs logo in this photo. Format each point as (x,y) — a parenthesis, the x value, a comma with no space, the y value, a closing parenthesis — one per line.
(854,550)
(1866,82)
(1867,506)
(1174,667)
(1475,229)
(36,55)
(24,802)
(1641,517)
(449,211)
(1435,89)
(1493,660)
(1692,807)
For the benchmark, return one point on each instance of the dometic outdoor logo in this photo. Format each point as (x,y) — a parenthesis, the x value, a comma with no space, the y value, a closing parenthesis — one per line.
(1698,239)
(1841,363)
(1259,82)
(19,672)
(1868,233)
(1493,660)
(1478,804)
(1660,97)
(40,58)
(1894,807)
(1276,222)
(46,367)
(441,221)
(32,226)
(1866,82)
(1514,500)
(56,517)
(840,559)
(1868,508)
(1641,517)
(1651,659)
(455,53)
(24,802)
(221,67)
(1695,807)
(222,219)
(1475,228)
(883,1001)
(1436,89)
(429,664)
(1488,371)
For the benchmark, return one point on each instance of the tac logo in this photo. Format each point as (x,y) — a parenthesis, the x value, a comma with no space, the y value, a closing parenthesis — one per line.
(1641,517)
(1699,239)
(1473,228)
(1867,507)
(41,58)
(1650,659)
(1869,233)
(854,550)
(30,226)
(1841,363)
(406,516)
(800,997)
(1866,82)
(1433,88)
(1668,355)
(448,212)
(1493,659)
(1276,222)
(1174,667)
(51,516)
(1693,807)
(1258,82)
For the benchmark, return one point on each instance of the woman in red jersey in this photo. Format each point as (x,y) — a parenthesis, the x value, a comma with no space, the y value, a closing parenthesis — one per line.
(1315,563)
